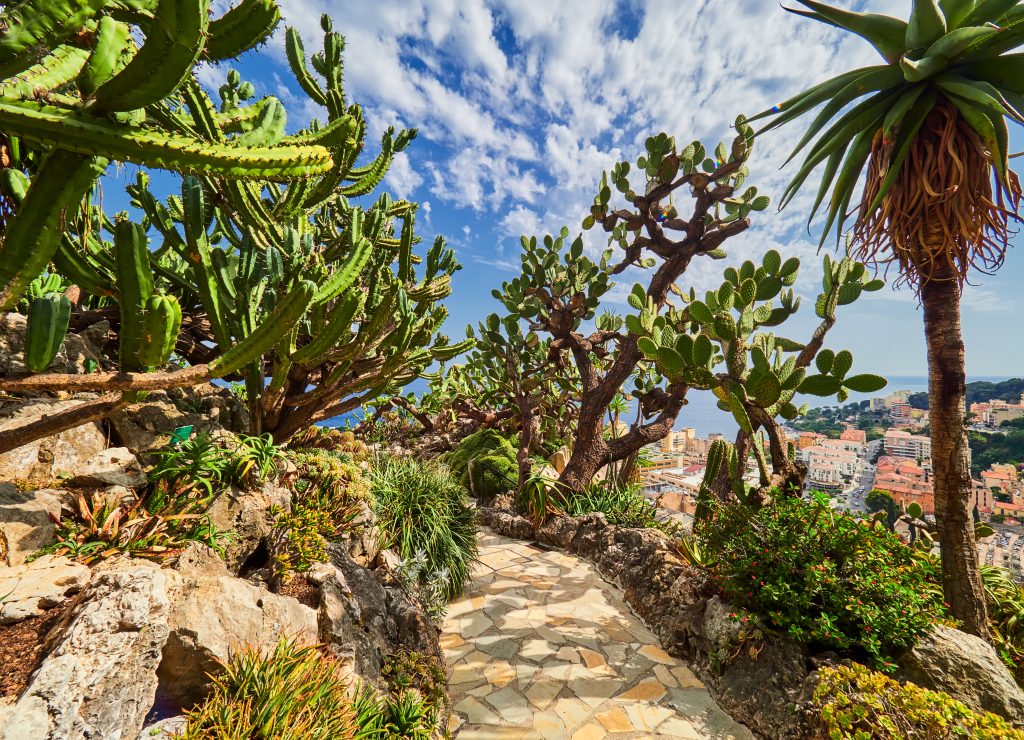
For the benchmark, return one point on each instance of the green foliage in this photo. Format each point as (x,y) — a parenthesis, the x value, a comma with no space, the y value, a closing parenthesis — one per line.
(197,463)
(1006,446)
(326,495)
(1005,599)
(980,391)
(256,459)
(422,510)
(823,577)
(538,497)
(856,703)
(881,501)
(155,526)
(294,693)
(941,56)
(623,505)
(48,317)
(485,463)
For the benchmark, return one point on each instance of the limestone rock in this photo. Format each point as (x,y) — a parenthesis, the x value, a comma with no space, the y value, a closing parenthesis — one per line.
(165,729)
(148,425)
(114,467)
(365,615)
(247,513)
(99,676)
(51,457)
(31,588)
(27,520)
(965,667)
(209,617)
(559,460)
(200,560)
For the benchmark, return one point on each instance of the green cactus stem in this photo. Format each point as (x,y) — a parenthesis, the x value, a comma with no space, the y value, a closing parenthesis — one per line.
(48,317)
(84,134)
(32,236)
(243,27)
(40,23)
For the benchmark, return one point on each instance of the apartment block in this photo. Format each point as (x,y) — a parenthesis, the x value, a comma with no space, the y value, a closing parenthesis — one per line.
(899,443)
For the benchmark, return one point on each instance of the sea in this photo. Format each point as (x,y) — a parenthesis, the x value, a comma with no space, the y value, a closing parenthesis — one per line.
(702,414)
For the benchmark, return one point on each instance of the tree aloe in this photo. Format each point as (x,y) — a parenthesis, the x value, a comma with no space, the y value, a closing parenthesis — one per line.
(928,128)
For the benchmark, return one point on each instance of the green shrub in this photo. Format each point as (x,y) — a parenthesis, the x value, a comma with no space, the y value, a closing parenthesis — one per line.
(1005,599)
(623,505)
(856,703)
(423,513)
(295,692)
(485,463)
(326,495)
(823,577)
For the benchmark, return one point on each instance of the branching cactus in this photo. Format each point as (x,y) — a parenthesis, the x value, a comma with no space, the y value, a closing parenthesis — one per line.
(94,94)
(262,270)
(664,349)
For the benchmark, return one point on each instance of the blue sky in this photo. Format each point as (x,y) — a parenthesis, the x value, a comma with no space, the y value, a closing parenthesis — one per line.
(522,103)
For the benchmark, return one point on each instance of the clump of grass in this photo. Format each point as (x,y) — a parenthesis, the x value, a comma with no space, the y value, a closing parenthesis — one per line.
(295,693)
(423,511)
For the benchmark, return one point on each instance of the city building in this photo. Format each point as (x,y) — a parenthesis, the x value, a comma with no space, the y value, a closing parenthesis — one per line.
(808,439)
(830,465)
(899,443)
(906,482)
(995,412)
(854,435)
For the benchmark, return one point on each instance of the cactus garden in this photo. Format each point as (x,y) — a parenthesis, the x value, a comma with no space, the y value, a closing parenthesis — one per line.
(390,372)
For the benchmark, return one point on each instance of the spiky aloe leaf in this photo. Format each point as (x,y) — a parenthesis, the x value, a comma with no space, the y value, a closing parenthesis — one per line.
(885,33)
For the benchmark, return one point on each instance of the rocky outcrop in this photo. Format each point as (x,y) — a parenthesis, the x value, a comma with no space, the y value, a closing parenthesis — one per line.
(98,679)
(247,513)
(366,615)
(116,466)
(148,425)
(31,588)
(53,457)
(967,668)
(27,520)
(211,615)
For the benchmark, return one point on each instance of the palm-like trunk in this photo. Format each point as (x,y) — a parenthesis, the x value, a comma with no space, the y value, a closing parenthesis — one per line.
(947,390)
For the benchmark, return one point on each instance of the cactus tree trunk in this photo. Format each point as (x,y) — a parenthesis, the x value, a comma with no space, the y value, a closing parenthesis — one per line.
(947,392)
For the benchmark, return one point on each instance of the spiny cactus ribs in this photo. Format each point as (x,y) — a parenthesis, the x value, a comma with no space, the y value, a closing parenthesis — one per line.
(261,270)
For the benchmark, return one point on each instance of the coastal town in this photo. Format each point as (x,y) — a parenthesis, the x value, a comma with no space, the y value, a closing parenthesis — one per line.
(857,468)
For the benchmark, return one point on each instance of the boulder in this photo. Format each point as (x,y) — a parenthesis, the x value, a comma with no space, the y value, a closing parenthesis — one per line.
(558,460)
(165,729)
(247,513)
(31,588)
(361,536)
(147,425)
(114,467)
(200,560)
(98,679)
(965,667)
(27,520)
(212,615)
(53,457)
(366,615)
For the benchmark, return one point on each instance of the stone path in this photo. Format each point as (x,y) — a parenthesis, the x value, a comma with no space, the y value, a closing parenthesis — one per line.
(540,646)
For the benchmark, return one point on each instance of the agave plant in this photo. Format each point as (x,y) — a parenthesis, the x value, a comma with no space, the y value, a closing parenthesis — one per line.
(928,127)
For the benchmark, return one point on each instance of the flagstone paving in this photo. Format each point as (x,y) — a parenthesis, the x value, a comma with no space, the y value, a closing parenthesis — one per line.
(539,646)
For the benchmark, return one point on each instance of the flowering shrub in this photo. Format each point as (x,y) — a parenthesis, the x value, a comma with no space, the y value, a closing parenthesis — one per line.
(823,577)
(856,703)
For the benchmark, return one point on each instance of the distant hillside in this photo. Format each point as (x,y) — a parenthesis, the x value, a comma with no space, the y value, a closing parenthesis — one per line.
(980,391)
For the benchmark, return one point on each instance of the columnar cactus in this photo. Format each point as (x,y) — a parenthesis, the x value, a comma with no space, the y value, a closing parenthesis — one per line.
(263,270)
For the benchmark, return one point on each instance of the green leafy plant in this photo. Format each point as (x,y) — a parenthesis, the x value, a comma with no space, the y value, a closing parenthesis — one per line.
(256,459)
(822,576)
(1006,613)
(326,496)
(156,526)
(856,703)
(622,504)
(294,693)
(538,498)
(485,463)
(200,463)
(422,508)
